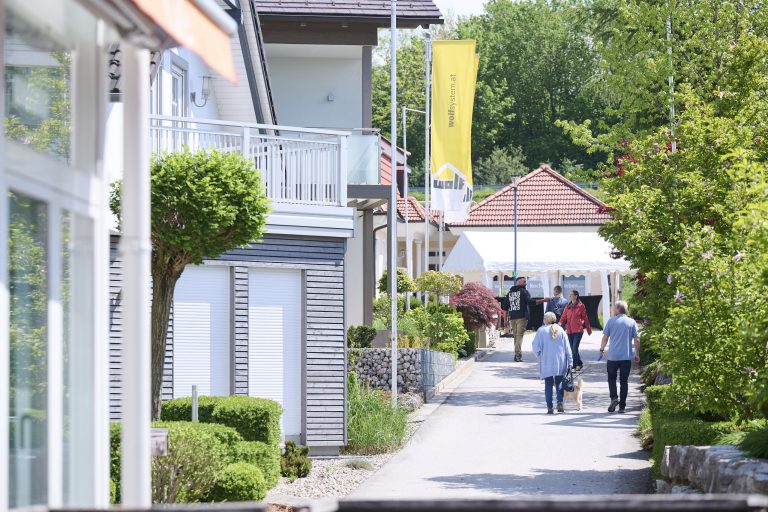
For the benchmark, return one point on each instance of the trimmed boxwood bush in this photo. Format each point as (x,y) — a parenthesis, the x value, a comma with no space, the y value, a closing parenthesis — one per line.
(264,456)
(239,482)
(180,409)
(255,419)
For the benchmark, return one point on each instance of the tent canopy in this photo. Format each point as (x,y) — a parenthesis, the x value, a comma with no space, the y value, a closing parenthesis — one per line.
(494,251)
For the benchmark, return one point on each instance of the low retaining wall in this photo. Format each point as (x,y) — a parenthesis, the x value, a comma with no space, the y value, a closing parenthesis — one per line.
(712,470)
(417,368)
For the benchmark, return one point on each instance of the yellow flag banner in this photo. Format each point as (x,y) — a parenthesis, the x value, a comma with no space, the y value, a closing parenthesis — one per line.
(454,77)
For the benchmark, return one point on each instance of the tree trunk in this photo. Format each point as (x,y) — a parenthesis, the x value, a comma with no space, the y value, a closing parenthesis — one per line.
(164,277)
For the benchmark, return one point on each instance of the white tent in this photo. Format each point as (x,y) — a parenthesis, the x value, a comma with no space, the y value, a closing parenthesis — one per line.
(481,255)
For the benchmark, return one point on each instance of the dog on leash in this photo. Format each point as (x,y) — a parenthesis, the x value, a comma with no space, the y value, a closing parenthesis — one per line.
(577,393)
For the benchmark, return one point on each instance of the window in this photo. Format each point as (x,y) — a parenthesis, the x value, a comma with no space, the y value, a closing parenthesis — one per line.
(178,91)
(48,225)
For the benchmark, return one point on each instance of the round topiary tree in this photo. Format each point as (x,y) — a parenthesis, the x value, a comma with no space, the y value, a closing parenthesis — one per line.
(203,204)
(404,282)
(438,284)
(477,306)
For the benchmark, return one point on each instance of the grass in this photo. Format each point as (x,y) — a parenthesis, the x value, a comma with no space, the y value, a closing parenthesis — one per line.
(359,464)
(645,429)
(374,425)
(755,443)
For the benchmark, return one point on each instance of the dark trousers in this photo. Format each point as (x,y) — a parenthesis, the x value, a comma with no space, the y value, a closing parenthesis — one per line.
(556,382)
(621,368)
(575,340)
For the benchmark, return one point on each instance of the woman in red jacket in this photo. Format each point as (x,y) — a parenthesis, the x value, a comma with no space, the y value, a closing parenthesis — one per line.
(576,320)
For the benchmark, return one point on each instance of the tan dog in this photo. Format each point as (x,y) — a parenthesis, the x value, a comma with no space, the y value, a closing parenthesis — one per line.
(577,393)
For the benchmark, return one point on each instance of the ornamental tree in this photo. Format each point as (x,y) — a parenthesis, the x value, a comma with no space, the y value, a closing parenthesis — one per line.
(203,204)
(438,284)
(404,282)
(477,306)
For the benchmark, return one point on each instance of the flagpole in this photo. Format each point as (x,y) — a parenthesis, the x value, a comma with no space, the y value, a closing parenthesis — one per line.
(393,198)
(440,241)
(427,144)
(405,195)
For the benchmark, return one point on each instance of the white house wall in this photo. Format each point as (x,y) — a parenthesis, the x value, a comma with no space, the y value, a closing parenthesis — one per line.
(353,284)
(317,85)
(195,69)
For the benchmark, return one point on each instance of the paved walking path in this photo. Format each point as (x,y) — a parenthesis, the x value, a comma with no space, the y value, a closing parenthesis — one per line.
(492,439)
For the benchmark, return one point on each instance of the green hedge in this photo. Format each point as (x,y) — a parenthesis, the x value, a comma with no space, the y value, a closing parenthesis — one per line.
(264,456)
(673,423)
(198,455)
(240,482)
(755,443)
(180,409)
(684,430)
(255,419)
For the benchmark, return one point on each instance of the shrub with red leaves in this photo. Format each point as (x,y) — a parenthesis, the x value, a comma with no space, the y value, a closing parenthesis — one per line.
(477,306)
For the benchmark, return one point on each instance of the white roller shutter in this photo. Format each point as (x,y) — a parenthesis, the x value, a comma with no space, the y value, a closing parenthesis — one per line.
(274,351)
(201,332)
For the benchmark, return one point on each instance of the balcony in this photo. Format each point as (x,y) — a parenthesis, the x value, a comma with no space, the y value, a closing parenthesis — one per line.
(298,165)
(305,170)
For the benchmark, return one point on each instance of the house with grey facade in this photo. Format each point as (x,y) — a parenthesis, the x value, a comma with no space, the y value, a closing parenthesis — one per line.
(269,319)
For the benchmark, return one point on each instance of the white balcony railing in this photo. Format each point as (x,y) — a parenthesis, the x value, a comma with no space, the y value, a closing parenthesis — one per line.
(297,165)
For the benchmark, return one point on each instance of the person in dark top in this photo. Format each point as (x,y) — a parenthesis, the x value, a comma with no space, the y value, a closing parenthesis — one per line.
(557,303)
(520,302)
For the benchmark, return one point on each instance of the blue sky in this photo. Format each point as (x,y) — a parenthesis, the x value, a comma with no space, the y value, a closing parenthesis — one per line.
(461,7)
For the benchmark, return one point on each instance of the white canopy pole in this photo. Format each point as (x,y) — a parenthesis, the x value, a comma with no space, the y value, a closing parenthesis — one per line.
(606,302)
(135,250)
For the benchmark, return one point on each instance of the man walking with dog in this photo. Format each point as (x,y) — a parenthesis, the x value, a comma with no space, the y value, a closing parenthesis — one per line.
(621,331)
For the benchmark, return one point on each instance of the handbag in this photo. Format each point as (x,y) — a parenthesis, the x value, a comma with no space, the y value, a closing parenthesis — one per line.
(568,380)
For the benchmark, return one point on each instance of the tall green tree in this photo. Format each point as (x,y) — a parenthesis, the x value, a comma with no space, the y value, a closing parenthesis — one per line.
(643,43)
(537,66)
(203,204)
(411,93)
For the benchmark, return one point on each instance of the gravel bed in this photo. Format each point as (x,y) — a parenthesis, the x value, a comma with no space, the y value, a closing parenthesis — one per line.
(333,477)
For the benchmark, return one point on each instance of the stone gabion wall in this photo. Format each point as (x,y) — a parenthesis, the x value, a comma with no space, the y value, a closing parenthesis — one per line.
(373,366)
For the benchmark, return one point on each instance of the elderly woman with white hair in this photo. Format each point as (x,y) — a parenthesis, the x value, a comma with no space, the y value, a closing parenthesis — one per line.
(552,348)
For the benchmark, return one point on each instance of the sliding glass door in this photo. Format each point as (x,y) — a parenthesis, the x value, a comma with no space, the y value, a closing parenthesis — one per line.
(52,206)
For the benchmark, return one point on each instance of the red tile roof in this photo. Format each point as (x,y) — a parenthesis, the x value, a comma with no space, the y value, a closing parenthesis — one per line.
(415,209)
(409,9)
(544,198)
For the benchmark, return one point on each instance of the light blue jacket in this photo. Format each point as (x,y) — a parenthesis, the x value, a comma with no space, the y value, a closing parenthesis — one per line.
(554,355)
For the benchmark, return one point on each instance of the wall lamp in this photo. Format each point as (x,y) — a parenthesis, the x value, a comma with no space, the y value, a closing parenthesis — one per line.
(205,91)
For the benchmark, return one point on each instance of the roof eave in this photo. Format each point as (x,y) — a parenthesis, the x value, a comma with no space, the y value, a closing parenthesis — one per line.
(403,21)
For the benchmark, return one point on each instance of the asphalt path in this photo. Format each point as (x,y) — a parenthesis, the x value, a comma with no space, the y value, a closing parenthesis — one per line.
(491,438)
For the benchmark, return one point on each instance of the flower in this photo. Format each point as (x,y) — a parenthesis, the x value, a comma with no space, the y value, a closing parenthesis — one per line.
(679,297)
(738,257)
(707,255)
(669,278)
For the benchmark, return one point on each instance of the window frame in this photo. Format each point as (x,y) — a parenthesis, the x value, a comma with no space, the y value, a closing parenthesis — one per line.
(79,188)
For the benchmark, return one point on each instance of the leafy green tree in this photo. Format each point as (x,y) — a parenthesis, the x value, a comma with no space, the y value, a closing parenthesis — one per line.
(500,167)
(676,218)
(438,284)
(537,66)
(411,93)
(404,282)
(203,204)
(642,43)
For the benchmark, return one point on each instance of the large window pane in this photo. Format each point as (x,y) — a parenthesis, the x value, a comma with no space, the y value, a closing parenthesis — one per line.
(37,89)
(28,276)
